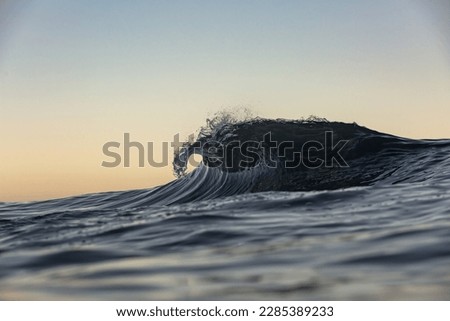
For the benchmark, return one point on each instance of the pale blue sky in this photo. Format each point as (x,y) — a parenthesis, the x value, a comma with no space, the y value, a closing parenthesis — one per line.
(75,74)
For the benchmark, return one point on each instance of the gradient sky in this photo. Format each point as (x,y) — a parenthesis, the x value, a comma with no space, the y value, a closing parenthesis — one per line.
(77,74)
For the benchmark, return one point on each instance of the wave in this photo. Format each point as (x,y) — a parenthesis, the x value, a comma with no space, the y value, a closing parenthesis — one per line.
(300,155)
(370,157)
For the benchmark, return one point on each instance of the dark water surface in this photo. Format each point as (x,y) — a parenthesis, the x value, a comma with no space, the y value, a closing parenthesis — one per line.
(378,229)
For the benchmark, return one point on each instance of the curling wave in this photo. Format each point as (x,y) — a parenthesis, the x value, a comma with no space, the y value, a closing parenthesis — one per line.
(370,158)
(366,157)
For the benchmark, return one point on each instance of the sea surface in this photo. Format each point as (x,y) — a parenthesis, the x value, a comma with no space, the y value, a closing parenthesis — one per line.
(377,228)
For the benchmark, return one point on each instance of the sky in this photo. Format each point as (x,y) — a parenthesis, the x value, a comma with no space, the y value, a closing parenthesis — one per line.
(77,74)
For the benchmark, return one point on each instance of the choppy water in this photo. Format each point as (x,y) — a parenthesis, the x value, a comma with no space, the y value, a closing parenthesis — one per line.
(378,229)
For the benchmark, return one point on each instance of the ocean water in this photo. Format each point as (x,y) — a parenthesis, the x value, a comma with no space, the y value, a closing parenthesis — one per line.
(376,229)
